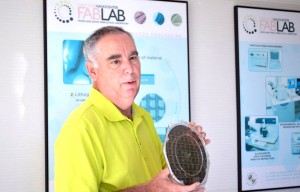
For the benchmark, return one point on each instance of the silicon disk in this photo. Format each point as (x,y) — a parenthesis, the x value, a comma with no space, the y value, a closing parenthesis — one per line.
(186,155)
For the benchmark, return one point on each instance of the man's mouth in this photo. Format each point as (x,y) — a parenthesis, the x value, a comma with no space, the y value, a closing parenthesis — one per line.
(130,82)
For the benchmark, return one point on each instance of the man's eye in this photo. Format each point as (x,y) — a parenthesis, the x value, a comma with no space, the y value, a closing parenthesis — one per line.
(134,57)
(116,62)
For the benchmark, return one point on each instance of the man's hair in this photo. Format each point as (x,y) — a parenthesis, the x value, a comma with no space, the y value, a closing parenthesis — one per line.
(89,50)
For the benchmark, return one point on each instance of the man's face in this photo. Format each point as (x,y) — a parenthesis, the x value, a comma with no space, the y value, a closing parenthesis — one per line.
(118,74)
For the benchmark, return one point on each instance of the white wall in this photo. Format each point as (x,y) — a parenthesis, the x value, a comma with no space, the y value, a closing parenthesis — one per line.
(213,99)
(21,96)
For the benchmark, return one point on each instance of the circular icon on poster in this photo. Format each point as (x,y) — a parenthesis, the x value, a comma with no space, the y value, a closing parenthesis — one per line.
(155,105)
(63,12)
(159,18)
(249,25)
(251,179)
(176,19)
(140,17)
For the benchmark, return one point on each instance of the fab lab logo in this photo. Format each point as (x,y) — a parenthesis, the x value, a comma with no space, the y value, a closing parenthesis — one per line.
(249,24)
(63,11)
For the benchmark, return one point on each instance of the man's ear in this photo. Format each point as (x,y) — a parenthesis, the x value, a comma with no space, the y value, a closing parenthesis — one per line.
(92,70)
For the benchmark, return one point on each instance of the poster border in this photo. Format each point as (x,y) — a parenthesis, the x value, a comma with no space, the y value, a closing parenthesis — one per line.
(238,99)
(46,113)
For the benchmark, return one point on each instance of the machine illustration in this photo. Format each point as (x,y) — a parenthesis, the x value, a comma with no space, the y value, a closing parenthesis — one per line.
(261,133)
(283,98)
(265,60)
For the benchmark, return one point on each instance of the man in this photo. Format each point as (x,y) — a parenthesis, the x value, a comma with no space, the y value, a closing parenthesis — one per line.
(109,143)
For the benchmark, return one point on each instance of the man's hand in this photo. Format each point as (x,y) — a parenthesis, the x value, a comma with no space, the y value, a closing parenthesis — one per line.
(163,183)
(200,132)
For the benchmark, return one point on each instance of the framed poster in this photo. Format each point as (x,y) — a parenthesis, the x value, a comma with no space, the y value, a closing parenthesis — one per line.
(268,97)
(160,31)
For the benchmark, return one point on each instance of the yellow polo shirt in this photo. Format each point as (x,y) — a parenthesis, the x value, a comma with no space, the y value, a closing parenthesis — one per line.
(99,149)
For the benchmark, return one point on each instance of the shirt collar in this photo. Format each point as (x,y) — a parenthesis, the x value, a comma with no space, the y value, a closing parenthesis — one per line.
(109,110)
(105,106)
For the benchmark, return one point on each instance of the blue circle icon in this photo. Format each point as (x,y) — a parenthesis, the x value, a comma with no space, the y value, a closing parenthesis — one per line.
(159,18)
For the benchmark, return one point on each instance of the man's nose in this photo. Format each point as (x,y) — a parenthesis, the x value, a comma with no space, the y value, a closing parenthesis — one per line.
(128,67)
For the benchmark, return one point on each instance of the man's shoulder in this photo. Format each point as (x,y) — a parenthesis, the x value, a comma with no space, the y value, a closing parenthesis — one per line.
(83,112)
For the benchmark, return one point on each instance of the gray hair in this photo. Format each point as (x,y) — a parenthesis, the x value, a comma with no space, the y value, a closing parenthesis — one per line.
(89,44)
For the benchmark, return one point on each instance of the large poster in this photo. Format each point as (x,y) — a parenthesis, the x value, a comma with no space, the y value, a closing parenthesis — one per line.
(161,35)
(268,89)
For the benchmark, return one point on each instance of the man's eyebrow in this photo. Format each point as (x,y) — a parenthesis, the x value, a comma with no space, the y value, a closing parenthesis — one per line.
(117,56)
(112,57)
(134,53)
